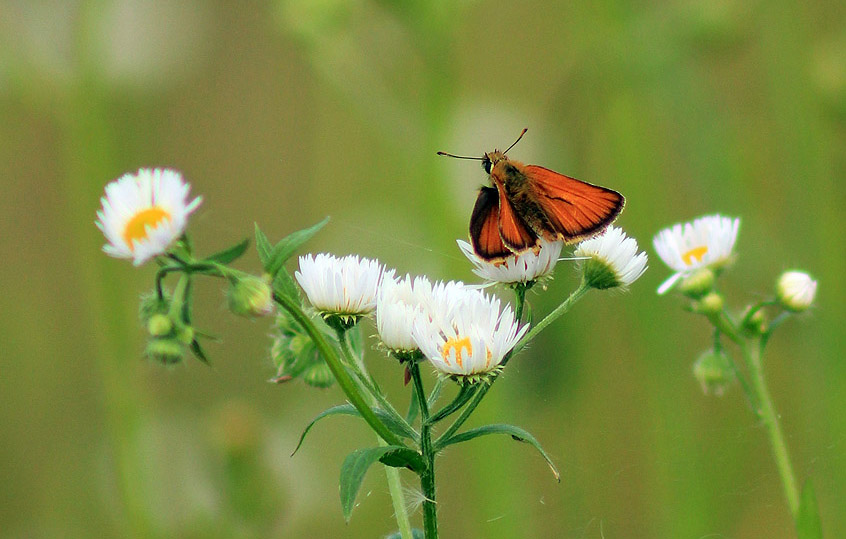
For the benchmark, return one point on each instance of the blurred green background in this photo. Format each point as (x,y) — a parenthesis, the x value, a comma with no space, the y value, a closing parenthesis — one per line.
(282,113)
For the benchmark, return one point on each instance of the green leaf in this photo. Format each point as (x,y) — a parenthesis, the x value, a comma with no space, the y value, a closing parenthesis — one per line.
(284,285)
(198,352)
(404,458)
(464,395)
(808,525)
(283,250)
(348,409)
(263,247)
(228,255)
(352,473)
(413,407)
(516,433)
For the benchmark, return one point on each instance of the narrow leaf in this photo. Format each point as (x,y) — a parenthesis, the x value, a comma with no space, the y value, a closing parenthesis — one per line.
(413,407)
(808,525)
(228,255)
(198,352)
(283,250)
(353,469)
(263,247)
(516,433)
(464,395)
(348,409)
(284,284)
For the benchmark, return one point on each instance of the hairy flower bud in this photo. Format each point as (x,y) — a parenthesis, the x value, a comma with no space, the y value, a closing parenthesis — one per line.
(250,296)
(714,372)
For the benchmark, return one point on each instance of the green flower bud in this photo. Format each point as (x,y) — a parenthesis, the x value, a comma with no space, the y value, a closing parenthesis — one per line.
(165,350)
(319,375)
(185,334)
(796,290)
(710,304)
(159,325)
(698,283)
(151,305)
(714,371)
(250,296)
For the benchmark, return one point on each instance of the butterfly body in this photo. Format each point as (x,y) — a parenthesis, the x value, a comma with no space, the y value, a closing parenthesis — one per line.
(529,202)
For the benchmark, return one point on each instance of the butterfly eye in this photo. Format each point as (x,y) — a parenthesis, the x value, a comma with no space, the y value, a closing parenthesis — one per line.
(486,164)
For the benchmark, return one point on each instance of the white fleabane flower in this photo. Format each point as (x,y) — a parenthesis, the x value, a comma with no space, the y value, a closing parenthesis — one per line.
(687,247)
(517,268)
(345,287)
(796,290)
(466,335)
(143,213)
(398,304)
(613,259)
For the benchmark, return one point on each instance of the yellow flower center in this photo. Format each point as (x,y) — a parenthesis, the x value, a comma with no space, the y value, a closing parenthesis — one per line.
(136,228)
(696,252)
(459,345)
(463,350)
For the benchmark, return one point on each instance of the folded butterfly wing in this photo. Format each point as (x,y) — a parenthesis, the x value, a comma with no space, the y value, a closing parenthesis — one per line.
(484,226)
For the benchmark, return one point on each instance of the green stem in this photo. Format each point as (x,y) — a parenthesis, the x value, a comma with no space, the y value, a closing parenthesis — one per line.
(724,326)
(752,355)
(760,397)
(366,381)
(427,476)
(376,397)
(346,383)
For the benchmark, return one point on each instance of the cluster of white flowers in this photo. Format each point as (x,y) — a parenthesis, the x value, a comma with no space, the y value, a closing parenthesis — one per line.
(464,332)
(461,330)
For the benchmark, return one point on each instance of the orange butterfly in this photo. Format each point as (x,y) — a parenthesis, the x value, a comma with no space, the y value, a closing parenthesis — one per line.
(528,202)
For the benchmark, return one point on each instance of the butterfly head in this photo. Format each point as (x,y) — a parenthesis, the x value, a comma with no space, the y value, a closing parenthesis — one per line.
(491,159)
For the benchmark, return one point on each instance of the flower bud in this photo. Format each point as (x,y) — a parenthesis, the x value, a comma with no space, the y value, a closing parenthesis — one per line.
(151,304)
(319,375)
(250,296)
(185,334)
(159,325)
(796,290)
(165,350)
(712,303)
(714,372)
(698,283)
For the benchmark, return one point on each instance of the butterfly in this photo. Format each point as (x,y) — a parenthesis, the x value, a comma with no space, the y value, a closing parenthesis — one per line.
(528,202)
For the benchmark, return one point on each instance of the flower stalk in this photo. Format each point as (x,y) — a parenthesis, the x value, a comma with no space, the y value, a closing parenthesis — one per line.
(427,475)
(346,383)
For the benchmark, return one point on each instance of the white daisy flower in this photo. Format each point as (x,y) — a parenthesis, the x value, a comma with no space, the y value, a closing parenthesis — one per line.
(517,268)
(144,213)
(465,334)
(398,303)
(340,286)
(685,248)
(796,290)
(614,260)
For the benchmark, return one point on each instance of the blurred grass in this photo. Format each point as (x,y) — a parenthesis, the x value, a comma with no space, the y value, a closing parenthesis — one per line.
(283,113)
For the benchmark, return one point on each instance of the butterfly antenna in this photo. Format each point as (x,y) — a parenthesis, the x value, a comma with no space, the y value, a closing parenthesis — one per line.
(518,139)
(460,156)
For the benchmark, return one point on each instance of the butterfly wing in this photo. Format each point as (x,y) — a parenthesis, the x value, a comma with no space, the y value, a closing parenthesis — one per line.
(484,226)
(575,209)
(515,233)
